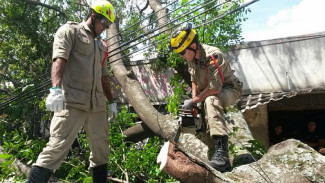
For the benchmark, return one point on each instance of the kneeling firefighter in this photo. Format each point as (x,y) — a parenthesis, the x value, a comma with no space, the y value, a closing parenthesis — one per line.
(213,82)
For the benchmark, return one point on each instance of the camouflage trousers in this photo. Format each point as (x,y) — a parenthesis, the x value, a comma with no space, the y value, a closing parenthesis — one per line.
(64,129)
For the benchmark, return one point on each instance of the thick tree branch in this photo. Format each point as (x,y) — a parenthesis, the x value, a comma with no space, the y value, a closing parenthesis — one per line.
(44,5)
(161,14)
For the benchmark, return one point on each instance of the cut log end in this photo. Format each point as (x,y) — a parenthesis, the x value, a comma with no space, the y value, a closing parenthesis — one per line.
(175,163)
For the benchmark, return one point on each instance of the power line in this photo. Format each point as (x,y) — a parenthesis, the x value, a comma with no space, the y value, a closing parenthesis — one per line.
(141,36)
(31,82)
(147,18)
(28,93)
(166,24)
(215,6)
(47,82)
(142,20)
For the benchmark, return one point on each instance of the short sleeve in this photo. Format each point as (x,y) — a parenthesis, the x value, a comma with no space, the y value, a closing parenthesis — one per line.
(63,41)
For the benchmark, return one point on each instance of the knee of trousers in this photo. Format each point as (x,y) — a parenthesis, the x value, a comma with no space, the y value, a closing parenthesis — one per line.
(54,153)
(99,151)
(229,96)
(213,107)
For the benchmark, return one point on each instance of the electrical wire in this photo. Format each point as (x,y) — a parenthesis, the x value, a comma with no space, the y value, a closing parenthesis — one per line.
(23,94)
(27,93)
(149,23)
(152,43)
(31,82)
(219,17)
(162,26)
(48,81)
(143,19)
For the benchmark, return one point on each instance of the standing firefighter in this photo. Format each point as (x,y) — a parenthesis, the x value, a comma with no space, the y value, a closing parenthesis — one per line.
(213,82)
(79,85)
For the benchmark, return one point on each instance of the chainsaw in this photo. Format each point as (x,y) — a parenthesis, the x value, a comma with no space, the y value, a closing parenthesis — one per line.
(192,118)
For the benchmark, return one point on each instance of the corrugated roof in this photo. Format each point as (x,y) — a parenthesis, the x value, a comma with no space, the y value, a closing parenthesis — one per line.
(254,100)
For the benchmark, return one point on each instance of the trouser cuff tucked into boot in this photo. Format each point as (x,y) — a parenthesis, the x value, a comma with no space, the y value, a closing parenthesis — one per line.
(99,173)
(220,158)
(39,174)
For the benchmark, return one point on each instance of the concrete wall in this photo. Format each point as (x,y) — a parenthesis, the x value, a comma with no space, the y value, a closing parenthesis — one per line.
(257,120)
(286,64)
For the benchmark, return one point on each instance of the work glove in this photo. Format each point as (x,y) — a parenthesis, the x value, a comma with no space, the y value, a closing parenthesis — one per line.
(112,111)
(55,100)
(188,104)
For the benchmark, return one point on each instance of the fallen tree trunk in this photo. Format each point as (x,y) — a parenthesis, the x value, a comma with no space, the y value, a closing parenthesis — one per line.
(290,161)
(272,167)
(164,126)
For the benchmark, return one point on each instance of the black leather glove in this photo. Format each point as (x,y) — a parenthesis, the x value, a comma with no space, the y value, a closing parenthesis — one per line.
(188,104)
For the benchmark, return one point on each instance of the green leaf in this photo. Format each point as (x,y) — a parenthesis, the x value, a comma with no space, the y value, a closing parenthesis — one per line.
(5,156)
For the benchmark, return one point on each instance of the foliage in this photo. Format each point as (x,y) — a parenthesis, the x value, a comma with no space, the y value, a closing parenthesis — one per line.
(75,167)
(25,61)
(25,57)
(6,168)
(179,92)
(135,162)
(18,146)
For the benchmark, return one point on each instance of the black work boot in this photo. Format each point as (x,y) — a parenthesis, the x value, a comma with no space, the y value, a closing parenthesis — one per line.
(220,158)
(39,174)
(99,173)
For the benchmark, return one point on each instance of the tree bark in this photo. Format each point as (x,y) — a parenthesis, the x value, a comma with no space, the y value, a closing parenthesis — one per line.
(290,161)
(161,14)
(162,125)
(138,132)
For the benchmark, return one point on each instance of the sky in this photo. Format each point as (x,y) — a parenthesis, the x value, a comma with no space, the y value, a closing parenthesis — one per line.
(271,19)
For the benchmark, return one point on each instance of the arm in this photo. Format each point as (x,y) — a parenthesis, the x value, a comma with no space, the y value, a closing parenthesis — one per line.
(106,84)
(194,89)
(55,100)
(57,71)
(204,94)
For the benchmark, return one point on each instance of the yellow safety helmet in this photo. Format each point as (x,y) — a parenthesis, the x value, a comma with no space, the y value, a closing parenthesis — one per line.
(104,8)
(182,37)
